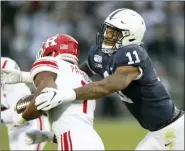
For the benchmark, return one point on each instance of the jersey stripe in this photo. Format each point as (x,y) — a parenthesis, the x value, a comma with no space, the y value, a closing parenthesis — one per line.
(4,64)
(66,142)
(85,101)
(61,141)
(44,63)
(85,106)
(66,147)
(70,142)
(115,13)
(40,127)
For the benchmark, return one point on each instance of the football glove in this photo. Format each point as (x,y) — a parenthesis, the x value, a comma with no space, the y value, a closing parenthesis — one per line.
(50,98)
(37,136)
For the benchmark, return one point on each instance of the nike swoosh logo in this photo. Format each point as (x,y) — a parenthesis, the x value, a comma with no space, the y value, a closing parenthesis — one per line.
(167,144)
(53,95)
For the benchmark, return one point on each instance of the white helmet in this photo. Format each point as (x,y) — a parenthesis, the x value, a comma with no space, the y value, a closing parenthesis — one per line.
(127,26)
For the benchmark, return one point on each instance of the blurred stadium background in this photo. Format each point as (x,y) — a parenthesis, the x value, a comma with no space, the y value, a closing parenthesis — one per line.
(25,25)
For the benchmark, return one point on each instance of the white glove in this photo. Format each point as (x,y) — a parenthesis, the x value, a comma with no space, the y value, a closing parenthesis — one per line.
(50,98)
(36,137)
(18,120)
(15,76)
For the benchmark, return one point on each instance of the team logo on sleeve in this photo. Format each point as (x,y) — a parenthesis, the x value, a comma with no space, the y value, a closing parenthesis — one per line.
(98,58)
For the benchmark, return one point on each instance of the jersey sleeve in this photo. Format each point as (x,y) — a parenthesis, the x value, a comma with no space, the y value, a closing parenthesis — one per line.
(44,64)
(132,55)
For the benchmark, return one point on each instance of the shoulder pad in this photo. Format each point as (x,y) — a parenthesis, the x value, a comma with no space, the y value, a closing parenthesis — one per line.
(44,64)
(131,55)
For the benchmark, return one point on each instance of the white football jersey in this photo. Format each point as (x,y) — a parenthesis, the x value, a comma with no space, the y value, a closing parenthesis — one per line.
(11,93)
(70,76)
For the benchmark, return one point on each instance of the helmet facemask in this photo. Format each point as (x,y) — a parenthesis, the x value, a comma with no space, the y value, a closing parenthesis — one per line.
(109,38)
(40,53)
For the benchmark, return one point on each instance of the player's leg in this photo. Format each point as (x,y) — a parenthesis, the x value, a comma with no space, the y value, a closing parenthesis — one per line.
(173,135)
(45,127)
(80,140)
(37,135)
(22,144)
(180,134)
(16,138)
(45,123)
(18,135)
(41,124)
(170,137)
(148,143)
(12,140)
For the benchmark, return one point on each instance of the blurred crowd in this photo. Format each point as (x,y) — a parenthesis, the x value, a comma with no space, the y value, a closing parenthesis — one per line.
(25,25)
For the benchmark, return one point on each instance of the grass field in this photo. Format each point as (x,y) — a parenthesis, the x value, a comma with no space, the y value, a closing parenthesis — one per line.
(115,135)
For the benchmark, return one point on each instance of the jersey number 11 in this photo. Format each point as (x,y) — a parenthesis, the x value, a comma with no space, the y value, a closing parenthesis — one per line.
(131,61)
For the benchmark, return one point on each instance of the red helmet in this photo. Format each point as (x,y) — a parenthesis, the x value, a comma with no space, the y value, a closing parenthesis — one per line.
(63,45)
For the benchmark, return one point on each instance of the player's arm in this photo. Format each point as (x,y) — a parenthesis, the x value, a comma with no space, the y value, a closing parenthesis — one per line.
(12,74)
(122,77)
(118,81)
(43,72)
(129,62)
(41,81)
(126,71)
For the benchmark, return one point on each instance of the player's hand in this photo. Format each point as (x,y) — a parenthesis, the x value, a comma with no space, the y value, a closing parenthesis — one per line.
(36,137)
(18,120)
(50,98)
(11,76)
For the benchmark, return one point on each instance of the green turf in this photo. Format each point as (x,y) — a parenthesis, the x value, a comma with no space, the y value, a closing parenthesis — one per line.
(115,135)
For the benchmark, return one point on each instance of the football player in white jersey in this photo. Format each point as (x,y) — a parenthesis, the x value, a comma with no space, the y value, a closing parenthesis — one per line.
(10,94)
(57,66)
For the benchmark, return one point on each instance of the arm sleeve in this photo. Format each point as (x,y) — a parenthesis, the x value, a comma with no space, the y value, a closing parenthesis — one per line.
(44,64)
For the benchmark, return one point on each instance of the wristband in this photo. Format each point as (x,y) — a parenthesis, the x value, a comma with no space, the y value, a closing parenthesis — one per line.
(67,95)
(26,78)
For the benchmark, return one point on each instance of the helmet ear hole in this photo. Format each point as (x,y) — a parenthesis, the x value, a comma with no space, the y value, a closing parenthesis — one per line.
(52,53)
(49,54)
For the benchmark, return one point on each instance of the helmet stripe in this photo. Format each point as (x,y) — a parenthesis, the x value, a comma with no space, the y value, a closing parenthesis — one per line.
(115,13)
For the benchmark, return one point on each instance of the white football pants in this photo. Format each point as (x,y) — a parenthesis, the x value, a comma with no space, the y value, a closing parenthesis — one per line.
(80,139)
(170,137)
(17,134)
